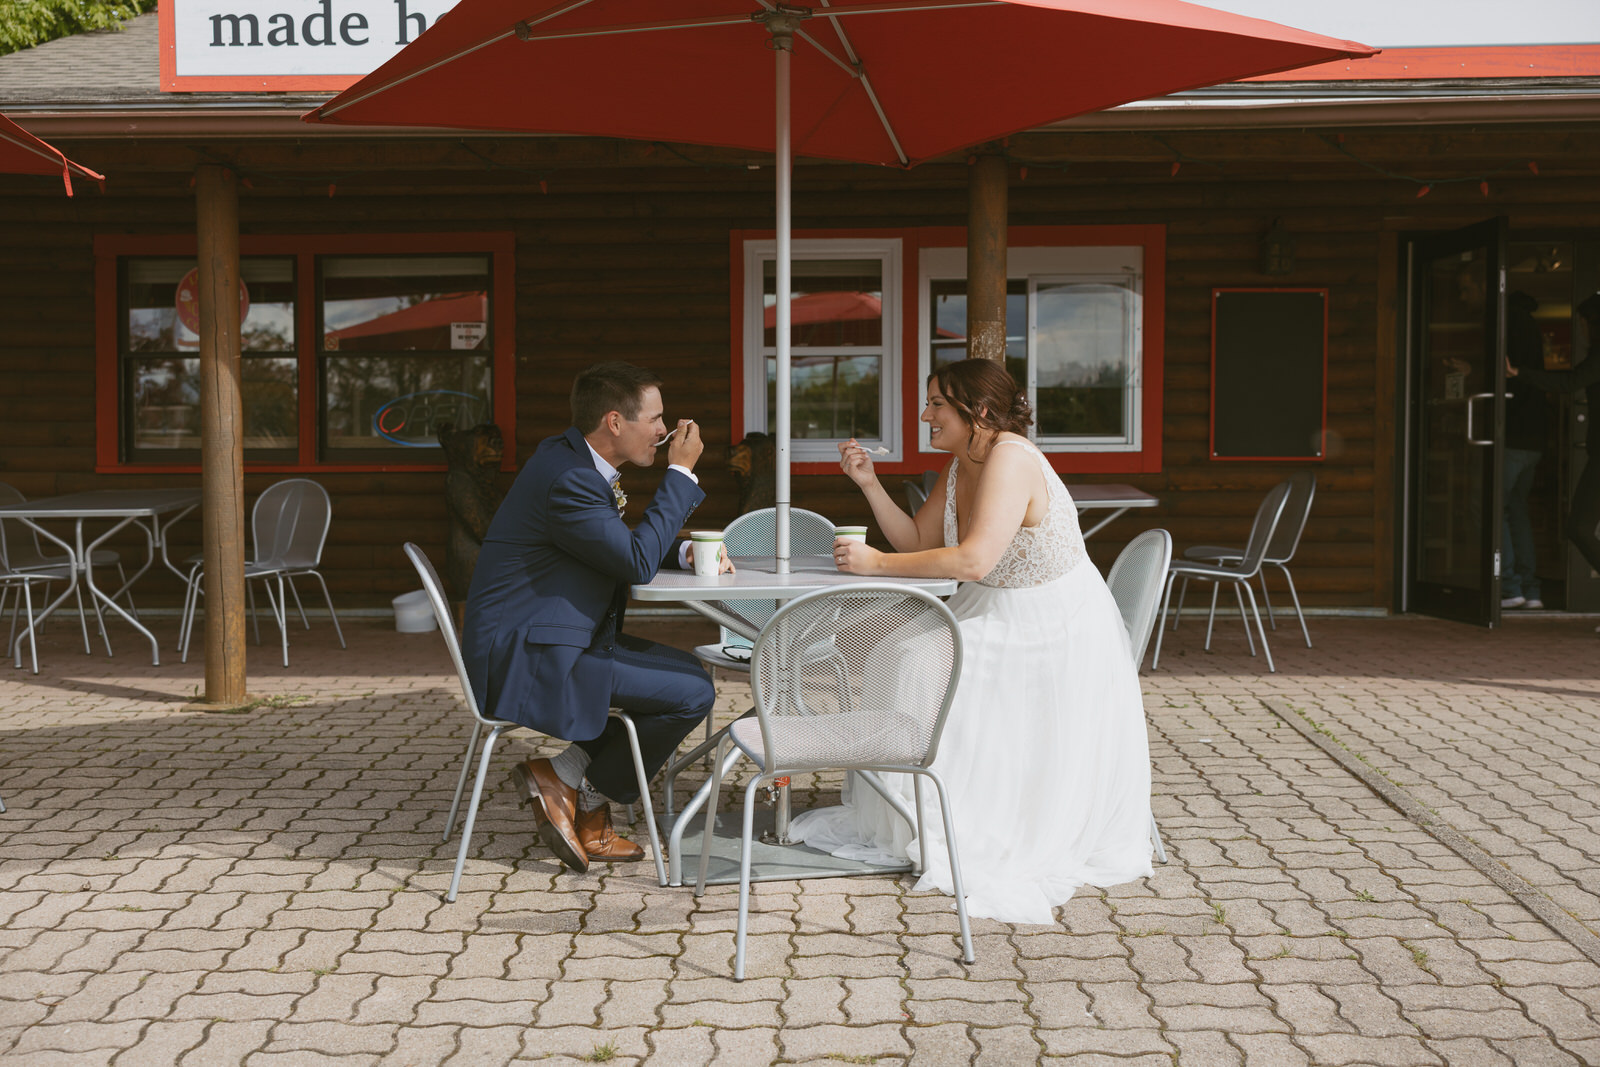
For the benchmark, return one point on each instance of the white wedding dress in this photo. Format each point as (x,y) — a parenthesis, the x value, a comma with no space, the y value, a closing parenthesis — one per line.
(1044,754)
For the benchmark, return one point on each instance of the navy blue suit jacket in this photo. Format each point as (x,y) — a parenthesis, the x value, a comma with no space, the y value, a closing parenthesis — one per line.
(551,584)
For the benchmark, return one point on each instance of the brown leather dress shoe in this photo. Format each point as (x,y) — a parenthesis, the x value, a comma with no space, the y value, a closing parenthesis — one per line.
(600,841)
(558,803)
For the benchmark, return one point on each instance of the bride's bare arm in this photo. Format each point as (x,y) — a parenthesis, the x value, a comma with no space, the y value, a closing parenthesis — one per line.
(905,532)
(1005,487)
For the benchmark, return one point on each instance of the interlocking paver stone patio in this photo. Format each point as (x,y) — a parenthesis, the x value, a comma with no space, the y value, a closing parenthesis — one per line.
(265,888)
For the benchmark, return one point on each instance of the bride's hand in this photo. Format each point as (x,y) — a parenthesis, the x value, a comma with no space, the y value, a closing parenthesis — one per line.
(853,557)
(856,463)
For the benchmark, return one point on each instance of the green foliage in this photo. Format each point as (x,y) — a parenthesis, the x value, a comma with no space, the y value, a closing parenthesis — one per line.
(25,23)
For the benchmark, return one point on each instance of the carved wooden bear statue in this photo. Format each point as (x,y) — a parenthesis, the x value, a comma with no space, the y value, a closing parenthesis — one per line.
(754,463)
(471,497)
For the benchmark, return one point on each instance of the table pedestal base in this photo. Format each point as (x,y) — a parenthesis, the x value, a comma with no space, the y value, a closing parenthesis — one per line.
(768,862)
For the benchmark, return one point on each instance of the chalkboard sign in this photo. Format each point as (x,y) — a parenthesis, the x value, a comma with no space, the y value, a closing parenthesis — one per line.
(1269,373)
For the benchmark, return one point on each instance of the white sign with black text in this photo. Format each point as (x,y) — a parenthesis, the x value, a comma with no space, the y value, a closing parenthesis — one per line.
(306,38)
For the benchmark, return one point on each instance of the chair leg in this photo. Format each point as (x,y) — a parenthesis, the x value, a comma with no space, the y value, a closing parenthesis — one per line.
(1177,616)
(1244,616)
(1267,600)
(955,868)
(644,796)
(472,813)
(301,608)
(461,780)
(1216,587)
(255,619)
(723,765)
(1155,839)
(1264,649)
(1296,598)
(334,615)
(283,620)
(83,622)
(191,604)
(1166,595)
(922,857)
(127,590)
(745,836)
(28,631)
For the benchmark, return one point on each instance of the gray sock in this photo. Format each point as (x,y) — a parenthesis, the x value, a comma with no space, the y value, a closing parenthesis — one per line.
(570,765)
(590,798)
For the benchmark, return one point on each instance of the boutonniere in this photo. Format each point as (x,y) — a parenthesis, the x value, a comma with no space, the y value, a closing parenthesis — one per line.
(618,495)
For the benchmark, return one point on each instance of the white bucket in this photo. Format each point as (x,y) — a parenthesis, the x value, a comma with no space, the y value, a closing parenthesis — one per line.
(413,613)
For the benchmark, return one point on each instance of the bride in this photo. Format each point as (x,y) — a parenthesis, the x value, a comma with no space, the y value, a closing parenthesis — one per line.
(1044,753)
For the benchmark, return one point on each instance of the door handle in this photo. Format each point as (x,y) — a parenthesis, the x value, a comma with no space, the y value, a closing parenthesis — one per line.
(1471,440)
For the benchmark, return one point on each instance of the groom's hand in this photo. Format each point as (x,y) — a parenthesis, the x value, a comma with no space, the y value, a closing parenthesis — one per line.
(686,445)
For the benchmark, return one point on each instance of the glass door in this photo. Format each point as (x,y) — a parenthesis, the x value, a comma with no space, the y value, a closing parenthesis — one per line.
(1457,414)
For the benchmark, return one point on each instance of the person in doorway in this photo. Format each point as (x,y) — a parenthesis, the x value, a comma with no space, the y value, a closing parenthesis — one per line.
(1527,428)
(1045,752)
(1583,515)
(542,638)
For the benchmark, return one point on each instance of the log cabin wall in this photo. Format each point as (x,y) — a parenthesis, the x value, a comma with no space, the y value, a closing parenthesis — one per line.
(622,252)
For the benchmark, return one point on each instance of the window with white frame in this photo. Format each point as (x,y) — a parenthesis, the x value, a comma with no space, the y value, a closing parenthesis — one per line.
(1074,337)
(845,343)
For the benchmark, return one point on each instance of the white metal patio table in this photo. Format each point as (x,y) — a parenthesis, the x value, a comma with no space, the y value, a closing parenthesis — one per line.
(757,580)
(154,510)
(1118,498)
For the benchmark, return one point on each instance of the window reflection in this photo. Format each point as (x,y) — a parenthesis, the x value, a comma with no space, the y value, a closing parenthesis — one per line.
(406,344)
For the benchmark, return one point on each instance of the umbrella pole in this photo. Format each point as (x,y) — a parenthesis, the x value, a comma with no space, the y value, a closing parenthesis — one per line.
(782,30)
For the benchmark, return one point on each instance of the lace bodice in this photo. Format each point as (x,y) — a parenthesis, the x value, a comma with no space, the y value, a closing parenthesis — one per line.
(1037,554)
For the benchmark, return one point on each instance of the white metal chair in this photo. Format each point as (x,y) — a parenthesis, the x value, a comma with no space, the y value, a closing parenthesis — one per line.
(447,627)
(24,554)
(878,702)
(1238,572)
(288,525)
(1285,542)
(1135,583)
(754,535)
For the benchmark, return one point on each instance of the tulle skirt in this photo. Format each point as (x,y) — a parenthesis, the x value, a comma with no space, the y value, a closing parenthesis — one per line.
(1045,756)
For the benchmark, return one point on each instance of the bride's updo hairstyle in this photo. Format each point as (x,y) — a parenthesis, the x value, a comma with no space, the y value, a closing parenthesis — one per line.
(985,395)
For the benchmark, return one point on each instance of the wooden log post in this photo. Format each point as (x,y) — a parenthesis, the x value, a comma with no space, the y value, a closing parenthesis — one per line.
(986,257)
(221,432)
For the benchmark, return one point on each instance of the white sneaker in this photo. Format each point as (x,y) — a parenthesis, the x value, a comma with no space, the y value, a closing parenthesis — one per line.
(1513,602)
(1534,604)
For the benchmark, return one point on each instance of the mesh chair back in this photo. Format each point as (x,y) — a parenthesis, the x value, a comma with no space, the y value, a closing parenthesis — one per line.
(855,677)
(755,534)
(1296,510)
(1135,582)
(1268,515)
(9,495)
(290,523)
(21,548)
(447,624)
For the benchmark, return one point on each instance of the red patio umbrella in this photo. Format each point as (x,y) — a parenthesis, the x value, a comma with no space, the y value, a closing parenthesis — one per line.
(23,153)
(875,81)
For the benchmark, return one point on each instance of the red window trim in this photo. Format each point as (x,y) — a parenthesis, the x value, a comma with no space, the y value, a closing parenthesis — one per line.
(1153,238)
(108,248)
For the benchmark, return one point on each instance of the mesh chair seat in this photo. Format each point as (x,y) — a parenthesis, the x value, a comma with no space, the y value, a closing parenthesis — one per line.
(819,742)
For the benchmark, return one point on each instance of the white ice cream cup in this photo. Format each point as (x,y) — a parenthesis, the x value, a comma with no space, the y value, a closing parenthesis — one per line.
(707,552)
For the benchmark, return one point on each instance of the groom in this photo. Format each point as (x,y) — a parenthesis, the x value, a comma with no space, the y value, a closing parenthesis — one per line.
(542,638)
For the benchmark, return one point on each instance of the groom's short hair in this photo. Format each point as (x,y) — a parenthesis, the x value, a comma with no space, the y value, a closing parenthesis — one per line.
(607,387)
